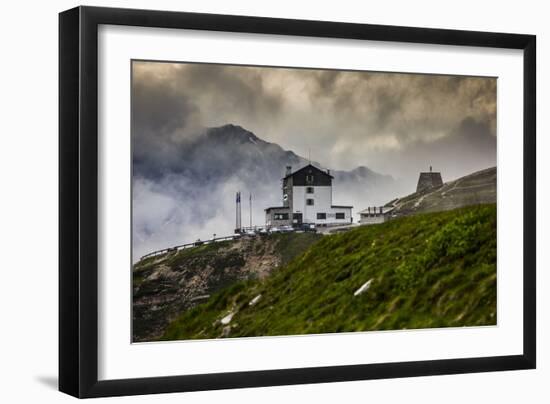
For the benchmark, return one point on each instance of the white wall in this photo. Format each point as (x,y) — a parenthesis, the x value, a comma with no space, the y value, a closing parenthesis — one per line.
(366,219)
(28,289)
(322,197)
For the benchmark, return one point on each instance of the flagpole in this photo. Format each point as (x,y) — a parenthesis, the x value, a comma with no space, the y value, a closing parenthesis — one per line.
(238,212)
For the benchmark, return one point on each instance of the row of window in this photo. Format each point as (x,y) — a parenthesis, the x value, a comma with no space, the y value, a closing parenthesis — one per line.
(320,216)
(339,215)
(309,190)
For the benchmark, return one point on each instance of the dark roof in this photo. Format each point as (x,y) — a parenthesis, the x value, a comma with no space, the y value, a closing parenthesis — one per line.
(315,169)
(341,206)
(277,207)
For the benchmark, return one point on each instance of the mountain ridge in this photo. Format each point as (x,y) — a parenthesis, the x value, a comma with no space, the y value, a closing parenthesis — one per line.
(231,135)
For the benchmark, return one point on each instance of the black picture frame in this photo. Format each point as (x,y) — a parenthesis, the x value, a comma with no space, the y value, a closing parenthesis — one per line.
(78,200)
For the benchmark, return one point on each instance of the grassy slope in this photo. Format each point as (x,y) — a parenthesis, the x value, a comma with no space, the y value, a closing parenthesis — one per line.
(428,270)
(166,285)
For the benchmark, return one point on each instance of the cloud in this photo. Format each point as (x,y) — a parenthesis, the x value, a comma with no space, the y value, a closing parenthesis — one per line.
(396,124)
(176,209)
(345,118)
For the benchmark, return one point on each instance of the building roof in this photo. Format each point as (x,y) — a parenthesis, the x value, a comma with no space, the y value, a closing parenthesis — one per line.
(376,209)
(277,207)
(311,167)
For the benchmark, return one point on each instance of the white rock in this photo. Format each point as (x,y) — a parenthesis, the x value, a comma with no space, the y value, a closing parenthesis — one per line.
(227,319)
(255,300)
(225,331)
(364,287)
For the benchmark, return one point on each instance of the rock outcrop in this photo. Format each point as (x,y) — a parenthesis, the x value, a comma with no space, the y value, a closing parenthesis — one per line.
(166,285)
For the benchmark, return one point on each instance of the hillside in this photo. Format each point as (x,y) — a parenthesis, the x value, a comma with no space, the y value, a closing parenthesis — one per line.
(165,285)
(426,270)
(474,189)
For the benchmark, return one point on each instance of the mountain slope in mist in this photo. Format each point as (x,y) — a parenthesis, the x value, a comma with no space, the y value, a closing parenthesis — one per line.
(228,150)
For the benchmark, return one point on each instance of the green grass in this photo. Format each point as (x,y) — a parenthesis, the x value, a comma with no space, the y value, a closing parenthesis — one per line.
(290,245)
(428,270)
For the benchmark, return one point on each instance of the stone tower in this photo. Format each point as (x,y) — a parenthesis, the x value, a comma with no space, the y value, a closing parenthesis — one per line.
(429,180)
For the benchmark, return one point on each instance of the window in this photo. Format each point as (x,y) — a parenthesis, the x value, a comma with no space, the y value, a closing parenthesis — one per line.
(340,215)
(321,215)
(309,179)
(309,202)
(280,216)
(309,190)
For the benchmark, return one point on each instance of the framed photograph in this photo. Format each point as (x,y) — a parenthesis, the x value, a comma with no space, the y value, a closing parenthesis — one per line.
(250,201)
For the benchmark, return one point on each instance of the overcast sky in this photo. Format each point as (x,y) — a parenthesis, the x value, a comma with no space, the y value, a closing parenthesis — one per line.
(395,124)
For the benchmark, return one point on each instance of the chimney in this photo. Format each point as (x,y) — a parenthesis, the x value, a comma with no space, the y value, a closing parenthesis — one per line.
(430,168)
(328,171)
(288,170)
